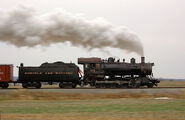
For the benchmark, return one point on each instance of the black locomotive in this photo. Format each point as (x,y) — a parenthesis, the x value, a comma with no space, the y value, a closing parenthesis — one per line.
(97,73)
(115,74)
(66,74)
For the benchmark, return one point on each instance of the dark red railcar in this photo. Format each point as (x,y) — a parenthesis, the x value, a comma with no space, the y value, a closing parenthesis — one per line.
(6,75)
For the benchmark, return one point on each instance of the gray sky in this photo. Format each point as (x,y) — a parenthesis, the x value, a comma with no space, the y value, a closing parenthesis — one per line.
(158,23)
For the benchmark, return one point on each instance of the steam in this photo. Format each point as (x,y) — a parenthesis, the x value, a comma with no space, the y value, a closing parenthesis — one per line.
(24,27)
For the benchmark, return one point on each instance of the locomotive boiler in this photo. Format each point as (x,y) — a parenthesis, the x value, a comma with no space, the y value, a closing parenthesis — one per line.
(66,74)
(115,74)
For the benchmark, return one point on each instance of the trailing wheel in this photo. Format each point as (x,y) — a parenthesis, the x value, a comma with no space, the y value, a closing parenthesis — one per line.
(107,85)
(5,85)
(82,83)
(61,85)
(117,86)
(102,85)
(73,85)
(150,85)
(38,85)
(137,85)
(97,86)
(25,85)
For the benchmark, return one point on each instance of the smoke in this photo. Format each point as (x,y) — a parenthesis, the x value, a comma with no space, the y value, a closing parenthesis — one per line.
(24,27)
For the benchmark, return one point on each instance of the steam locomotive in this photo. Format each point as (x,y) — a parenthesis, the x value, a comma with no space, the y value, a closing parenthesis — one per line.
(97,72)
(115,74)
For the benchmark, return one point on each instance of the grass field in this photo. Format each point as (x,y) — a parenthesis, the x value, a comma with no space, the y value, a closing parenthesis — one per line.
(25,105)
(130,109)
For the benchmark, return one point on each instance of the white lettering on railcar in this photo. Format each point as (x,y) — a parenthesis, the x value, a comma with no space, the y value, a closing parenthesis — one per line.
(48,73)
(33,73)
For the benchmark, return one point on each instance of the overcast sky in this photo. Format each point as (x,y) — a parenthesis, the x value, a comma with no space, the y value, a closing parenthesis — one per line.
(158,23)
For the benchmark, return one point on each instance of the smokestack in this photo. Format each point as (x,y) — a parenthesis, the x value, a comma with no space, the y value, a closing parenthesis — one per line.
(21,65)
(142,59)
(24,27)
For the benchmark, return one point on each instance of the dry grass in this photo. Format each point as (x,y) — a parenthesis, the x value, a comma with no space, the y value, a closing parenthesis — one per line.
(172,84)
(77,116)
(109,109)
(23,94)
(25,105)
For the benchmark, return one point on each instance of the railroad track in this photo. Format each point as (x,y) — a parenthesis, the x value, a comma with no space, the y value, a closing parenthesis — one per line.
(173,90)
(97,88)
